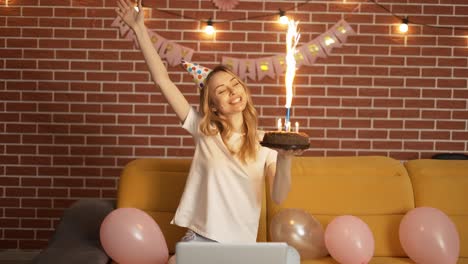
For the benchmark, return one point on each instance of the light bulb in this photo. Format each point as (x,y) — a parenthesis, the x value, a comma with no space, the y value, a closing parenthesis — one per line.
(209,29)
(283,19)
(404,25)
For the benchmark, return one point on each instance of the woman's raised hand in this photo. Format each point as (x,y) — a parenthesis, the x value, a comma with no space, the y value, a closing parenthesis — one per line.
(126,11)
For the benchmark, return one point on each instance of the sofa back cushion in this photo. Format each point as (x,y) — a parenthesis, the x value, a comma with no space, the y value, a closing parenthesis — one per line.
(155,185)
(443,184)
(375,189)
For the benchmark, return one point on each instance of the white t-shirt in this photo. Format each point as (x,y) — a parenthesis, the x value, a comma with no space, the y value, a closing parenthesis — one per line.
(223,197)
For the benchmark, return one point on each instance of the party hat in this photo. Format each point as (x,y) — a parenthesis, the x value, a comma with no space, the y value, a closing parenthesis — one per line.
(198,72)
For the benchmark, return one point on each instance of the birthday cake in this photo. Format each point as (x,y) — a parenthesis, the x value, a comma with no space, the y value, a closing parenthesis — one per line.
(286,140)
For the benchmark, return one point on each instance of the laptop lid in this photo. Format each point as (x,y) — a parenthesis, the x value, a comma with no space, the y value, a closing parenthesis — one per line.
(217,253)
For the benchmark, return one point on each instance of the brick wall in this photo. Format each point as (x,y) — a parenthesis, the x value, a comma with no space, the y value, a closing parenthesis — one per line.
(77,104)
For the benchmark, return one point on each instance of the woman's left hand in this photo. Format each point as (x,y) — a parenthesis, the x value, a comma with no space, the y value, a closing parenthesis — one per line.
(289,152)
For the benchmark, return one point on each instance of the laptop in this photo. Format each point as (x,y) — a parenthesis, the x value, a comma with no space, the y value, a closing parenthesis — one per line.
(253,253)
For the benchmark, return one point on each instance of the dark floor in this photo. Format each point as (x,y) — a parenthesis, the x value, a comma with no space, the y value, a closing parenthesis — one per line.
(16,256)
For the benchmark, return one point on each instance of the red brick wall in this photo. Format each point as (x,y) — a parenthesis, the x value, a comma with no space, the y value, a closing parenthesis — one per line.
(77,102)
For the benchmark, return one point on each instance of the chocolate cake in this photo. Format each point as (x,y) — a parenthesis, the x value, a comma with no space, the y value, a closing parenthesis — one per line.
(286,140)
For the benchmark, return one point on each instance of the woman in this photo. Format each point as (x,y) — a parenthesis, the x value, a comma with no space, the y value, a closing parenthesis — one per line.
(222,197)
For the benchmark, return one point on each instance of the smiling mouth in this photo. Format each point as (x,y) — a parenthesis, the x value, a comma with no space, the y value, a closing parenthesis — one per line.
(237,100)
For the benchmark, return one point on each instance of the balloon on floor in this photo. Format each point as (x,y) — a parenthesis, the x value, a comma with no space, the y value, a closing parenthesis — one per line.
(300,230)
(129,235)
(349,240)
(428,236)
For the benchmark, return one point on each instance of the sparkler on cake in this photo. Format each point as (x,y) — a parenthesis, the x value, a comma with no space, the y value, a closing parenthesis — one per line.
(286,139)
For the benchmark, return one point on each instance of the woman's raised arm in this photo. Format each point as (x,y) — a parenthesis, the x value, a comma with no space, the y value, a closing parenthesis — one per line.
(135,20)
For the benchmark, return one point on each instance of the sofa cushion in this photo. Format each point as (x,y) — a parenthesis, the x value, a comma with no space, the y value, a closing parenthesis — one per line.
(443,184)
(172,233)
(440,183)
(376,189)
(153,184)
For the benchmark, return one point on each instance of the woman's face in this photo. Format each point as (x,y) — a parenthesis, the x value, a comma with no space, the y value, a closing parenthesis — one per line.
(227,94)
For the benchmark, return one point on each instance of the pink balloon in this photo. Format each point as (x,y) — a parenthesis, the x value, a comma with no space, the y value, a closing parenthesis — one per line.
(349,240)
(131,236)
(428,236)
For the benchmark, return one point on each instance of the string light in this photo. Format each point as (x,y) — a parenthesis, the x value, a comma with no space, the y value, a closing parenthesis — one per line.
(404,25)
(415,23)
(283,19)
(282,14)
(231,20)
(209,29)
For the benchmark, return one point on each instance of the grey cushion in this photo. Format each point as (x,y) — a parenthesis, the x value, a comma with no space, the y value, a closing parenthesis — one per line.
(76,239)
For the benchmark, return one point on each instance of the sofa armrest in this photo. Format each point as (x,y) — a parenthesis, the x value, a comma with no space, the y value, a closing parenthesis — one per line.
(76,239)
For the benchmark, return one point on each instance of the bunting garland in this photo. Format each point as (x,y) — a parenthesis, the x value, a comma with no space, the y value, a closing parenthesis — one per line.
(254,69)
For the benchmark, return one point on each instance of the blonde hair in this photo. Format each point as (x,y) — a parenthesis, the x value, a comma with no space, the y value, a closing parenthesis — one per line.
(248,149)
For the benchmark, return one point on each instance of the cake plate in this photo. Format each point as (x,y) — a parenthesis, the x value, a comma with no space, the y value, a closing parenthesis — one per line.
(285,146)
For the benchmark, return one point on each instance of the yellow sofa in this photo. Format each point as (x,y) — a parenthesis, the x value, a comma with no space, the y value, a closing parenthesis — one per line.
(379,190)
